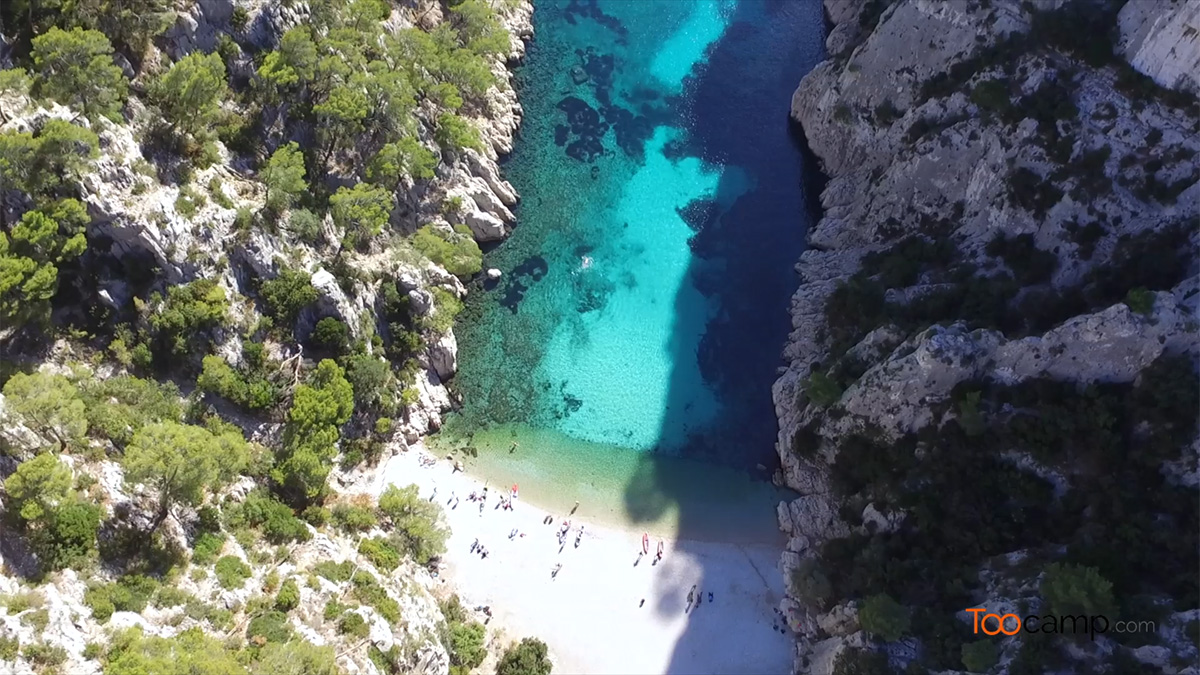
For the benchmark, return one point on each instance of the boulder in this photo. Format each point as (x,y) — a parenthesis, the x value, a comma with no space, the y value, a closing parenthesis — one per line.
(443,356)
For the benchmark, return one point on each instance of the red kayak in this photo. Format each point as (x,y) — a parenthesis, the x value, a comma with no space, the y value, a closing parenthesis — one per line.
(645,543)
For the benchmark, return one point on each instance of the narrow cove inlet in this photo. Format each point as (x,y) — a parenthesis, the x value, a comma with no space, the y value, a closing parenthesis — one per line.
(629,348)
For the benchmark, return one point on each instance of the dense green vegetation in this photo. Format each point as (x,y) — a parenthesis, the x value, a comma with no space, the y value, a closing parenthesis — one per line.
(1017,302)
(527,657)
(313,145)
(1125,529)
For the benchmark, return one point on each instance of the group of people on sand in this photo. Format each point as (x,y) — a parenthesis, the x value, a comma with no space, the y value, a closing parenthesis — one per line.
(476,548)
(696,598)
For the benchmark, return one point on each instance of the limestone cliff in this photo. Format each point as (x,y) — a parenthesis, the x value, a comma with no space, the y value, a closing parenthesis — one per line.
(157,222)
(978,155)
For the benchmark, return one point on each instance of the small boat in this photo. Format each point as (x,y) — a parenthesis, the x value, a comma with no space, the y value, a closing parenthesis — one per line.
(645,543)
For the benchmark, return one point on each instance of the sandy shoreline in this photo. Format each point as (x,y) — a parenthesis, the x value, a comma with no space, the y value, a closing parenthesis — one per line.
(590,615)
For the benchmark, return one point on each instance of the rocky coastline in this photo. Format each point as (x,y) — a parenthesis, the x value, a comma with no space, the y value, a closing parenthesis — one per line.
(951,132)
(139,221)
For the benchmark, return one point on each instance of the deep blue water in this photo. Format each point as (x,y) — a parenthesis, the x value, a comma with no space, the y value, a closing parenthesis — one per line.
(645,292)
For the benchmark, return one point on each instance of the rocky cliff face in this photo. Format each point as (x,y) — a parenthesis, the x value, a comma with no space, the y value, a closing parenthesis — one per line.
(140,218)
(154,228)
(1162,40)
(966,144)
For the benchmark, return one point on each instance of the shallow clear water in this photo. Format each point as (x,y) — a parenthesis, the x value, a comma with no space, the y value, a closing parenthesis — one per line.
(644,297)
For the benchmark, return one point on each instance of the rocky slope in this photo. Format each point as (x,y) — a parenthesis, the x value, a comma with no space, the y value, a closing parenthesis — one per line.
(149,232)
(980,156)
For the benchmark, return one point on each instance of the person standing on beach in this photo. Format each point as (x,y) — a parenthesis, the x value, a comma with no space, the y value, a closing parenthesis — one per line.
(691,597)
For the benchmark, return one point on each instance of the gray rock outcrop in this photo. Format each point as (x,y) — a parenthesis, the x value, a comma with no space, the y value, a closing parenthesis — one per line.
(905,158)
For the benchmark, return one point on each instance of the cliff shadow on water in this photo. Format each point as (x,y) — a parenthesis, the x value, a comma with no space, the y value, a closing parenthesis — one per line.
(736,111)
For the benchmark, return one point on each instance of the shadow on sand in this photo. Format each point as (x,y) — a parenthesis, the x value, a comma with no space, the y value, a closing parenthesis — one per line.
(766,50)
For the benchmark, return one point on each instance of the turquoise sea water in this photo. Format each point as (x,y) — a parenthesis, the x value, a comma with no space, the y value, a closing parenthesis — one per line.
(630,346)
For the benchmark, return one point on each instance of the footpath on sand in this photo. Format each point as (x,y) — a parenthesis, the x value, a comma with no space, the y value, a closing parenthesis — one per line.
(599,600)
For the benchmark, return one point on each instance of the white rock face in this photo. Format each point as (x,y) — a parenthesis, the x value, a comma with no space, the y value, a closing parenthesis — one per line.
(1162,40)
(443,356)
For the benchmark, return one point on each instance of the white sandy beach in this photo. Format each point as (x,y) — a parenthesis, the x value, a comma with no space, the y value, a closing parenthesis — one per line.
(589,616)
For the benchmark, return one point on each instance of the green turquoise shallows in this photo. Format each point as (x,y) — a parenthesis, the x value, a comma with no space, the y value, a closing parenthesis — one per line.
(643,301)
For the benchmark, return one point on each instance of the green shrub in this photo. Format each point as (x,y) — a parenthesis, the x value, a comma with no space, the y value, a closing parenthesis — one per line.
(38,619)
(529,657)
(466,644)
(298,657)
(269,626)
(231,572)
(455,133)
(99,600)
(883,616)
(170,596)
(70,535)
(415,521)
(369,592)
(208,546)
(381,554)
(361,212)
(456,251)
(1030,264)
(354,625)
(353,517)
(44,655)
(130,593)
(219,617)
(189,202)
(334,609)
(279,524)
(252,392)
(332,335)
(446,306)
(305,225)
(810,585)
(288,596)
(131,652)
(240,18)
(287,294)
(21,601)
(91,650)
(335,572)
(371,379)
(118,406)
(979,656)
(216,189)
(317,516)
(9,647)
(183,320)
(1140,301)
(1070,590)
(821,389)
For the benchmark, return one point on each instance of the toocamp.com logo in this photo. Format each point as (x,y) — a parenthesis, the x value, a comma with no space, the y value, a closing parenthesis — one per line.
(1011,624)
